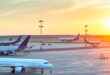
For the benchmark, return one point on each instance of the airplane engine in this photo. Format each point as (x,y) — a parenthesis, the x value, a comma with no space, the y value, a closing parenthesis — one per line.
(12,52)
(19,69)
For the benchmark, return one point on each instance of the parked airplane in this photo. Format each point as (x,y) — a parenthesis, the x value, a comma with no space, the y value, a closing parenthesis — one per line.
(6,50)
(7,43)
(93,43)
(70,39)
(20,65)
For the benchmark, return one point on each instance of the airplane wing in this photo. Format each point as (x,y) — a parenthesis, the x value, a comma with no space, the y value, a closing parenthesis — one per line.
(94,42)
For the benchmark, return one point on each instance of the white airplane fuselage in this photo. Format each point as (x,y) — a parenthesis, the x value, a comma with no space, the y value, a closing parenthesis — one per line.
(6,41)
(26,63)
(6,48)
(93,43)
(69,39)
(17,65)
(66,38)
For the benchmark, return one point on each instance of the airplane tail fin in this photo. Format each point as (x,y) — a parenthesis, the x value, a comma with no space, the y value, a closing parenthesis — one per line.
(78,36)
(17,40)
(23,45)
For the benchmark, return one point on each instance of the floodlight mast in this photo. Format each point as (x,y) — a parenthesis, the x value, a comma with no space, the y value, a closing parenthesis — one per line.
(41,36)
(85,38)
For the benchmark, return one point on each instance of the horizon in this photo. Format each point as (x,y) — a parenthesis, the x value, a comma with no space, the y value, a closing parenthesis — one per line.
(64,17)
(57,35)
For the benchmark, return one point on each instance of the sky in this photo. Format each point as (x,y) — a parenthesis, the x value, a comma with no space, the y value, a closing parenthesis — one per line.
(61,17)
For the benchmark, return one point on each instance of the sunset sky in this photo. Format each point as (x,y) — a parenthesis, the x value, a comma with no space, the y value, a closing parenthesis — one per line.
(60,17)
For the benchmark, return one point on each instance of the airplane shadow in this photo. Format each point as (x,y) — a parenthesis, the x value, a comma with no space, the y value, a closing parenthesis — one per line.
(20,74)
(28,72)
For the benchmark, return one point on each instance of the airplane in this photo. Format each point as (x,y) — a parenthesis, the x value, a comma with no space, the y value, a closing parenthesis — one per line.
(93,43)
(7,43)
(70,39)
(6,50)
(20,65)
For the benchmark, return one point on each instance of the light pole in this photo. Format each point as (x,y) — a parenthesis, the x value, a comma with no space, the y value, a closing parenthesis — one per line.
(85,38)
(41,37)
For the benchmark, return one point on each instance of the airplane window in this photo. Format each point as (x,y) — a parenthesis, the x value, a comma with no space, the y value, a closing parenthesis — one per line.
(46,62)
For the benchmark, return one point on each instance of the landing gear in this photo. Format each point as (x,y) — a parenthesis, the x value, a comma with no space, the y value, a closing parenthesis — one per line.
(13,71)
(23,70)
(50,71)
(42,71)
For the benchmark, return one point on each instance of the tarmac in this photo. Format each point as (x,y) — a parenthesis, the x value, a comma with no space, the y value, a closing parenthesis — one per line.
(37,46)
(54,45)
(68,62)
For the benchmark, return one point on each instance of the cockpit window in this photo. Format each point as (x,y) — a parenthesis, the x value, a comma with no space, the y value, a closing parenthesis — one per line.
(46,62)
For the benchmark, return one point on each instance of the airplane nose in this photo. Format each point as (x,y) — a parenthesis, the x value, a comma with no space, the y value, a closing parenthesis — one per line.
(50,65)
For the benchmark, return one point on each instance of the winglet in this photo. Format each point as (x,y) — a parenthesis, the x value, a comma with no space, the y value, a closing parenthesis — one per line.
(23,45)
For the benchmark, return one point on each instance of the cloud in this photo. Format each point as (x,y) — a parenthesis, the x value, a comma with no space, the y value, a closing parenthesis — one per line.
(51,6)
(76,5)
(7,6)
(104,4)
(7,13)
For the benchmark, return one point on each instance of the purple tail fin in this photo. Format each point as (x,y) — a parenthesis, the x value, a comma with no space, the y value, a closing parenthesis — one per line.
(23,45)
(18,40)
